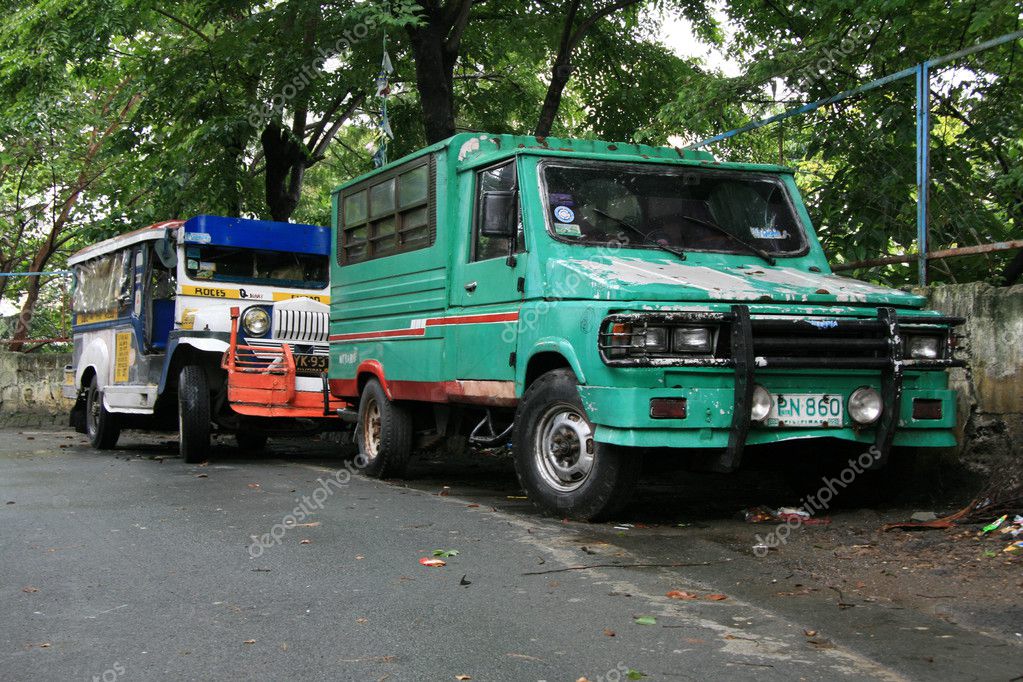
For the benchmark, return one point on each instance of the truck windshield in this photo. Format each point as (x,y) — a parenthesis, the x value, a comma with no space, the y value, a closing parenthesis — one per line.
(681,208)
(249,266)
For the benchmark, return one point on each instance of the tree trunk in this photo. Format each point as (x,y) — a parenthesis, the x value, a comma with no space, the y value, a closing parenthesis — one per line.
(560,74)
(435,69)
(285,169)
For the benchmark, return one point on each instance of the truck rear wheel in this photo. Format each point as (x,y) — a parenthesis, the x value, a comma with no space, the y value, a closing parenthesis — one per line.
(385,433)
(562,468)
(193,414)
(102,427)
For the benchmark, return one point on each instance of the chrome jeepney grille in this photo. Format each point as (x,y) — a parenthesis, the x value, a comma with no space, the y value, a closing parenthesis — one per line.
(301,325)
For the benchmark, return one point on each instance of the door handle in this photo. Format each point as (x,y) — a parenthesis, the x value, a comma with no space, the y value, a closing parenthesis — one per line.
(471,286)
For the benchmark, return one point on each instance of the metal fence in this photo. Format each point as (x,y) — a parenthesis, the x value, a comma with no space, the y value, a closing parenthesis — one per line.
(917,167)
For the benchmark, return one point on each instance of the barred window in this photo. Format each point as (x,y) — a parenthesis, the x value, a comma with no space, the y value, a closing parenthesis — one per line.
(387,215)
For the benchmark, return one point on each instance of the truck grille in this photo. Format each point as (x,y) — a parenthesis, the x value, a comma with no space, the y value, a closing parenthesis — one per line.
(781,342)
(301,325)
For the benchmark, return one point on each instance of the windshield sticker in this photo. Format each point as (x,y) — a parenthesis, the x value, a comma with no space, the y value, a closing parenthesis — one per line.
(768,233)
(567,230)
(198,238)
(561,199)
(564,214)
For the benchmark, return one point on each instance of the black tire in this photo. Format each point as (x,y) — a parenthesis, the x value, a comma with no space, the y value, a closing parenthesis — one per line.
(102,427)
(550,422)
(251,441)
(194,425)
(846,482)
(384,434)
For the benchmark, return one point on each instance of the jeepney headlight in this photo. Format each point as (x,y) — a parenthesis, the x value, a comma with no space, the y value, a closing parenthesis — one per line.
(865,405)
(921,347)
(692,340)
(255,321)
(761,405)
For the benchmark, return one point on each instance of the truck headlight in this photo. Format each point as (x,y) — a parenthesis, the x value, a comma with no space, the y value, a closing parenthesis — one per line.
(921,347)
(255,321)
(865,405)
(652,339)
(692,340)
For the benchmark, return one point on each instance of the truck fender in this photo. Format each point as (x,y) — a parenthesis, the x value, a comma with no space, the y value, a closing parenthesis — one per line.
(549,344)
(95,355)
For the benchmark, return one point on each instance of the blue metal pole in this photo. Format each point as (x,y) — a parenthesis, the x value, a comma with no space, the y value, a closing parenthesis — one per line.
(923,165)
(35,274)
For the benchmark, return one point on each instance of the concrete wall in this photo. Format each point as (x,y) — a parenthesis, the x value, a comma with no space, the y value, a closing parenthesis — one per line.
(991,387)
(30,389)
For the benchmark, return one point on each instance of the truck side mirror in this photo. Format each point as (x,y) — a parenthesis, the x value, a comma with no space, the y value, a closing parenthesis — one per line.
(497,214)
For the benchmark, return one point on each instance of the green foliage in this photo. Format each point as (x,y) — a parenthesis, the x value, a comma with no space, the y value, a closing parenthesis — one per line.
(856,159)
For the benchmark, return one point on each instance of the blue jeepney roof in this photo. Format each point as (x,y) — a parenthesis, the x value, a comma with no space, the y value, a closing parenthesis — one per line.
(257,234)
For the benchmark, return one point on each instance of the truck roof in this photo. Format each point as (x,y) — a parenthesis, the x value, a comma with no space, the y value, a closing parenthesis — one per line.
(242,232)
(479,149)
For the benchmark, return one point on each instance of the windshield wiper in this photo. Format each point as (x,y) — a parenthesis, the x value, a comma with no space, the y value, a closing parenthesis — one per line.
(646,237)
(750,247)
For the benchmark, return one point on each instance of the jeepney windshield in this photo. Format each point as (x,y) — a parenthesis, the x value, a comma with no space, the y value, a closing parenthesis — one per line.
(685,209)
(251,266)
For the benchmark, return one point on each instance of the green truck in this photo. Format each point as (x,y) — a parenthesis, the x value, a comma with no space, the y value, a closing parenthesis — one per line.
(594,302)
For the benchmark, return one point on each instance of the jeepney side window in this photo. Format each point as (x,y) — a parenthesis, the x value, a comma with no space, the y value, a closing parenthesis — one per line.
(103,285)
(497,179)
(389,216)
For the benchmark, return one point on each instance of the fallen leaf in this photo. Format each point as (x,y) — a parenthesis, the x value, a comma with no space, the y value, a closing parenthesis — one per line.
(608,632)
(254,485)
(810,633)
(360,621)
(445,553)
(716,597)
(464,582)
(679,594)
(29,588)
(645,620)
(432,563)
(634,674)
(359,557)
(463,677)
(582,679)
(249,641)
(305,542)
(202,475)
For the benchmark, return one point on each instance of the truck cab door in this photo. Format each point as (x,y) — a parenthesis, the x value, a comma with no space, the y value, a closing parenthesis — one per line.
(487,284)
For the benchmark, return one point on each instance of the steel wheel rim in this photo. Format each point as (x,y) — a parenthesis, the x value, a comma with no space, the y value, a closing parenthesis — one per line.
(92,414)
(564,447)
(371,429)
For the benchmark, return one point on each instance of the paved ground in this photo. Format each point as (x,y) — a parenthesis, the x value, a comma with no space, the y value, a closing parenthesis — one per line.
(131,565)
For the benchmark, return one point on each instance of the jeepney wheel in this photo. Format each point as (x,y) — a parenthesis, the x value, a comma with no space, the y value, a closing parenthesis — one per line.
(102,427)
(564,471)
(384,433)
(193,414)
(251,441)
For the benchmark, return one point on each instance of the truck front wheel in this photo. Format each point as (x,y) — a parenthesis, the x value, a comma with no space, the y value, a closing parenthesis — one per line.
(101,426)
(562,468)
(385,433)
(193,414)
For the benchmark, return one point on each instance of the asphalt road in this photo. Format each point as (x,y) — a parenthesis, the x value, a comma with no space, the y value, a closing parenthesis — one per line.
(134,566)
